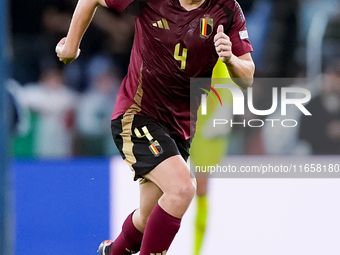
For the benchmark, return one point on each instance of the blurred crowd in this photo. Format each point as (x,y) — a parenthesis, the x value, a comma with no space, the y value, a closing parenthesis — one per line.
(65,111)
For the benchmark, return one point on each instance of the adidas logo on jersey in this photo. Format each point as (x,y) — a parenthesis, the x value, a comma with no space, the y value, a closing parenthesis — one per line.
(163,23)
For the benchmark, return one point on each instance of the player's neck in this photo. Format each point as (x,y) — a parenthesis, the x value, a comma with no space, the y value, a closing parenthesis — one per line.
(191,4)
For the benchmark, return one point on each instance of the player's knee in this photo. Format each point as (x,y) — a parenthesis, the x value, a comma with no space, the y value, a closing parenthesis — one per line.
(186,191)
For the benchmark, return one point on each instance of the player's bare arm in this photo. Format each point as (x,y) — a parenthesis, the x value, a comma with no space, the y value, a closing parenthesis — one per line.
(241,67)
(68,48)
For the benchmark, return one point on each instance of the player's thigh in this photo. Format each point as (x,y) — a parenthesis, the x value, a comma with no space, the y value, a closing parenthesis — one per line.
(173,176)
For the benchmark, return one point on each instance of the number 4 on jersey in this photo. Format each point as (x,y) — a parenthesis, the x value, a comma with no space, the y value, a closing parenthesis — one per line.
(182,58)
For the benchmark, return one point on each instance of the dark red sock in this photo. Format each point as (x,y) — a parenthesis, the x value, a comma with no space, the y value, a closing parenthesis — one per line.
(129,240)
(159,233)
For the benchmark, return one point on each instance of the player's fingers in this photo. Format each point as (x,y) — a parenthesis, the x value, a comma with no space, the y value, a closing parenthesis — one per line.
(78,53)
(223,43)
(221,36)
(221,48)
(223,53)
(62,41)
(220,29)
(58,49)
(60,45)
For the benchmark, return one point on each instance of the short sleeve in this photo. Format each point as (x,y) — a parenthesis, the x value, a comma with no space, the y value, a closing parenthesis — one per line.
(118,5)
(133,7)
(238,32)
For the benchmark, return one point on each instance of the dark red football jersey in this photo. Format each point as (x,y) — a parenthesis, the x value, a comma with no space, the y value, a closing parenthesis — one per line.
(171,46)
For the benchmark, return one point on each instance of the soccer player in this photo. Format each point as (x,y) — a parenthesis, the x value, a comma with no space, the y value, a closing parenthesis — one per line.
(175,40)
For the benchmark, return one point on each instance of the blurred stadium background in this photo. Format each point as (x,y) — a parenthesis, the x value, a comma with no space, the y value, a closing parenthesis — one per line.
(65,178)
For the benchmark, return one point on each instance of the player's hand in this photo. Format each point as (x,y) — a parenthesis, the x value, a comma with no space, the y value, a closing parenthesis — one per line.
(65,55)
(223,45)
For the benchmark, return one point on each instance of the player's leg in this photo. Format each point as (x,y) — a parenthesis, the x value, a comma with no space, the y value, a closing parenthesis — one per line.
(202,212)
(172,176)
(204,153)
(149,196)
(145,146)
(130,239)
(202,184)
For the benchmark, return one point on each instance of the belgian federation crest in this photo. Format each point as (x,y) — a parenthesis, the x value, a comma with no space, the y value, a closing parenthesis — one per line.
(207,26)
